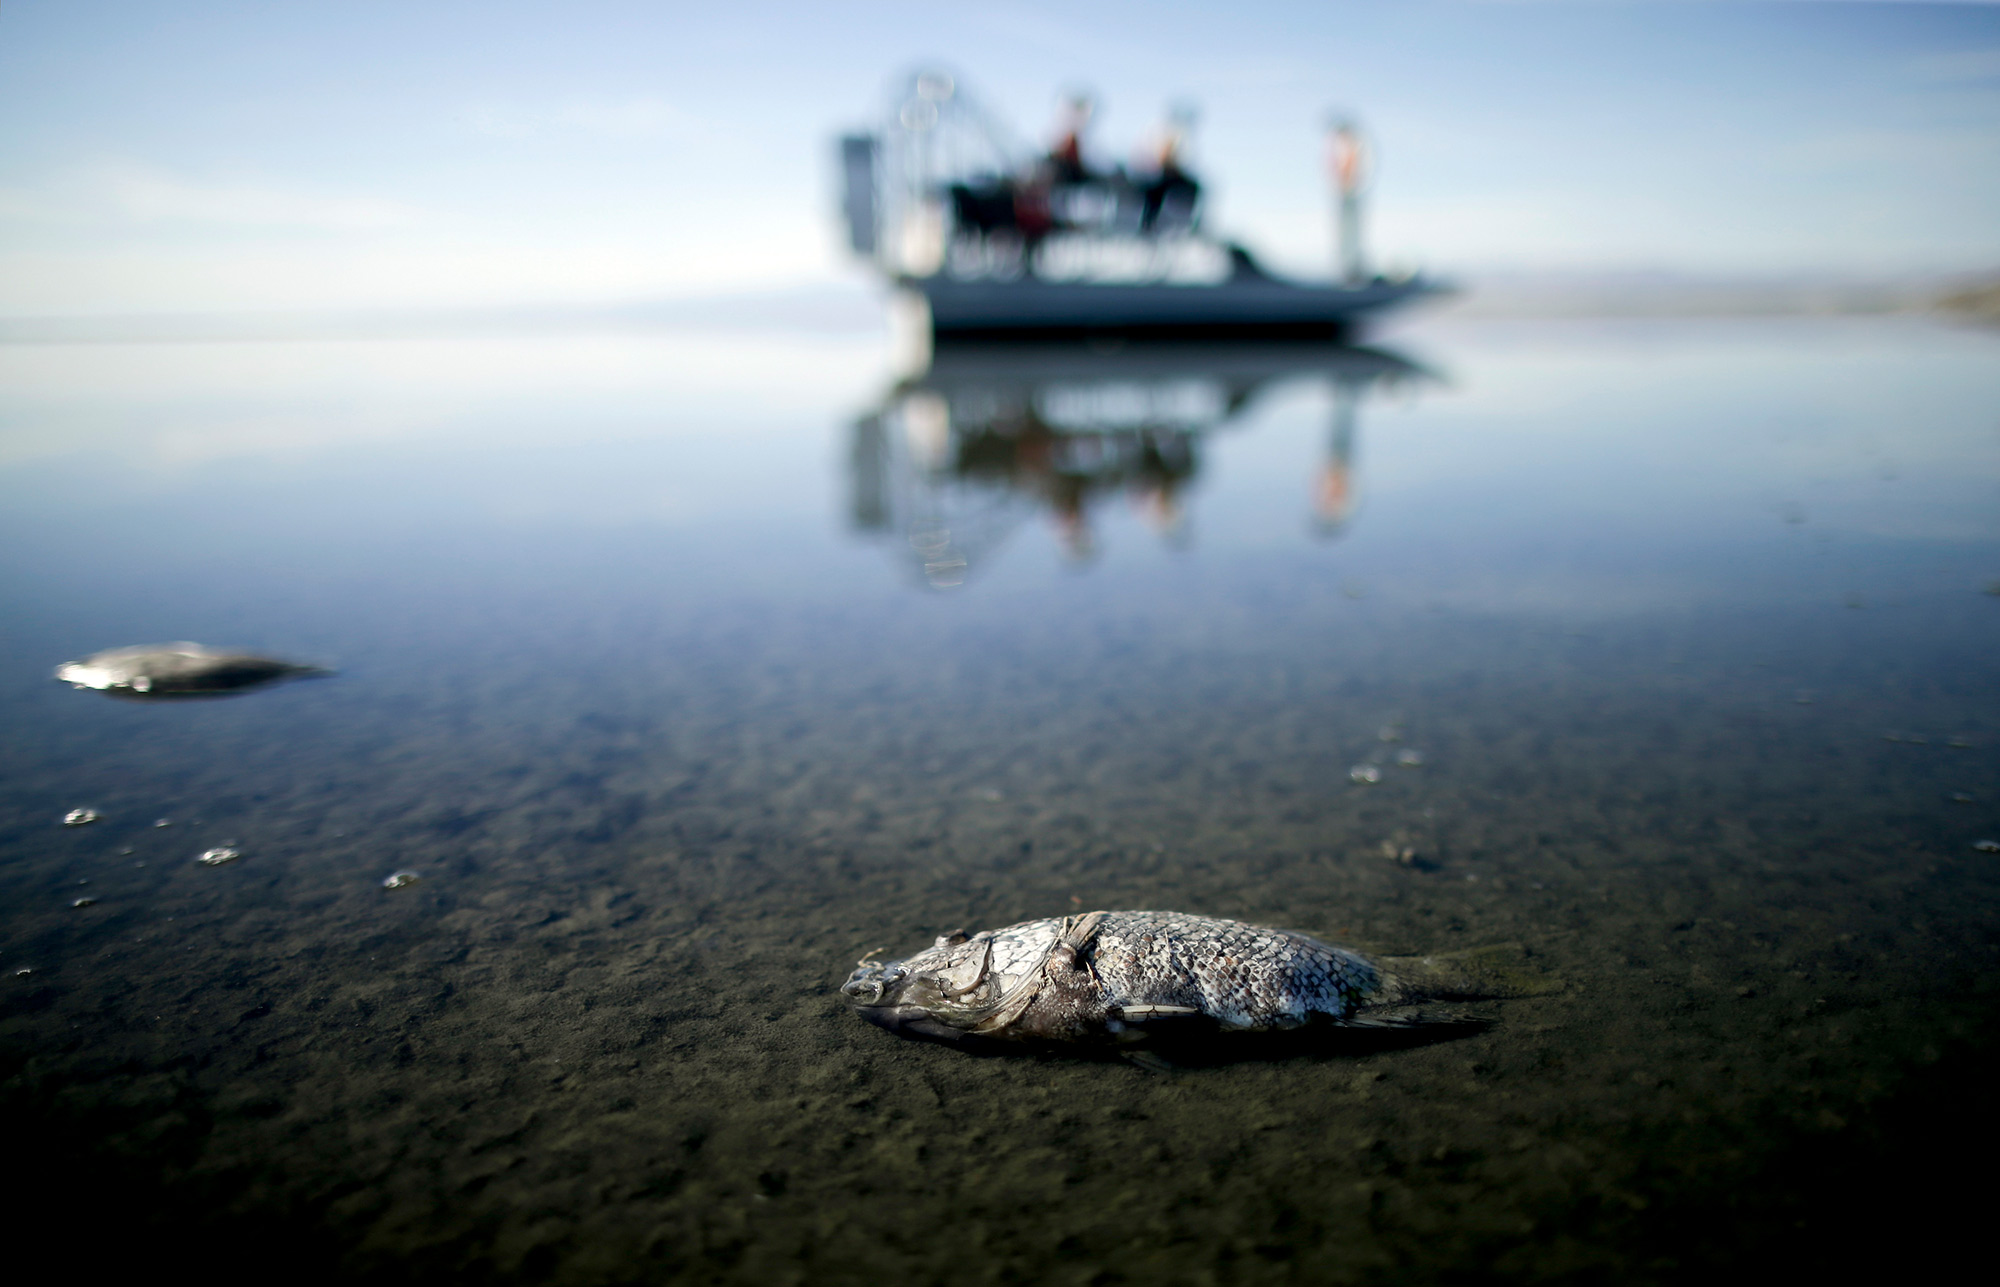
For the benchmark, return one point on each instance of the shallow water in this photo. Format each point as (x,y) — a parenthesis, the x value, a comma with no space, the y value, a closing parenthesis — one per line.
(685,668)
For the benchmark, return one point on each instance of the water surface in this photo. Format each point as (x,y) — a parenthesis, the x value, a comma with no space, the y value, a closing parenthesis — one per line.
(685,668)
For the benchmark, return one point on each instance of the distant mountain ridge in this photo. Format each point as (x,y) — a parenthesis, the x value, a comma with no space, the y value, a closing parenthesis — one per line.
(1662,294)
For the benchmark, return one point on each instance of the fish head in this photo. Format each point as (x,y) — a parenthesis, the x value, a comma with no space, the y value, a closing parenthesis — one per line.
(939,992)
(83,674)
(133,669)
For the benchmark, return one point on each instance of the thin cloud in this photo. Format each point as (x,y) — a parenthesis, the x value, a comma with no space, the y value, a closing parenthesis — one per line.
(154,196)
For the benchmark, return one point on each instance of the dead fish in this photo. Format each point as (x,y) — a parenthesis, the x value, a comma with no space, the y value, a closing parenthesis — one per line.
(156,671)
(1117,981)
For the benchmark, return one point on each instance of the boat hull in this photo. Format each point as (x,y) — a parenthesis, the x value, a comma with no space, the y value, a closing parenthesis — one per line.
(1261,306)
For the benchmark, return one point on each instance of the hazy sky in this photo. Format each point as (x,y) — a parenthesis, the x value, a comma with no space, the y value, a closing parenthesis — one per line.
(197,156)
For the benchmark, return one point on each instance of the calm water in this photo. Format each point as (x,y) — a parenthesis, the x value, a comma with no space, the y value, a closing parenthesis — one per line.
(687,667)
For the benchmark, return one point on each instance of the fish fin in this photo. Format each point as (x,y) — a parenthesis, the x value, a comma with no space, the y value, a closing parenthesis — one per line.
(952,989)
(1077,933)
(1408,1017)
(933,1030)
(1146,1059)
(1140,1013)
(1475,974)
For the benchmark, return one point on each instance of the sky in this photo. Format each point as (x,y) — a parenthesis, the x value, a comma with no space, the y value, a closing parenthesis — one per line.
(195,157)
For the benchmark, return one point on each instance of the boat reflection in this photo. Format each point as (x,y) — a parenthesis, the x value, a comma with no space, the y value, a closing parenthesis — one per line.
(959,456)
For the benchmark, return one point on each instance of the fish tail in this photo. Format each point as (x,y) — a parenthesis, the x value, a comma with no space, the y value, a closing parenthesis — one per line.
(1475,974)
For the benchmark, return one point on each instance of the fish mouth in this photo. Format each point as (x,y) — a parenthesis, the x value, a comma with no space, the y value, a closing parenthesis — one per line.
(870,983)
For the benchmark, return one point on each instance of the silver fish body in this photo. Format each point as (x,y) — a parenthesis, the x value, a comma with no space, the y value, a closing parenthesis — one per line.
(168,670)
(1117,979)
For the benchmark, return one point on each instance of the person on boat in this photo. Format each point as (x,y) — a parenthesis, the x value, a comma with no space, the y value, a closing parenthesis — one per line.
(1033,215)
(1171,188)
(1065,162)
(1034,219)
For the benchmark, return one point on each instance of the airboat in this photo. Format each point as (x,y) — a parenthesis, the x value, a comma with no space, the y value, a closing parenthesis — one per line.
(1000,241)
